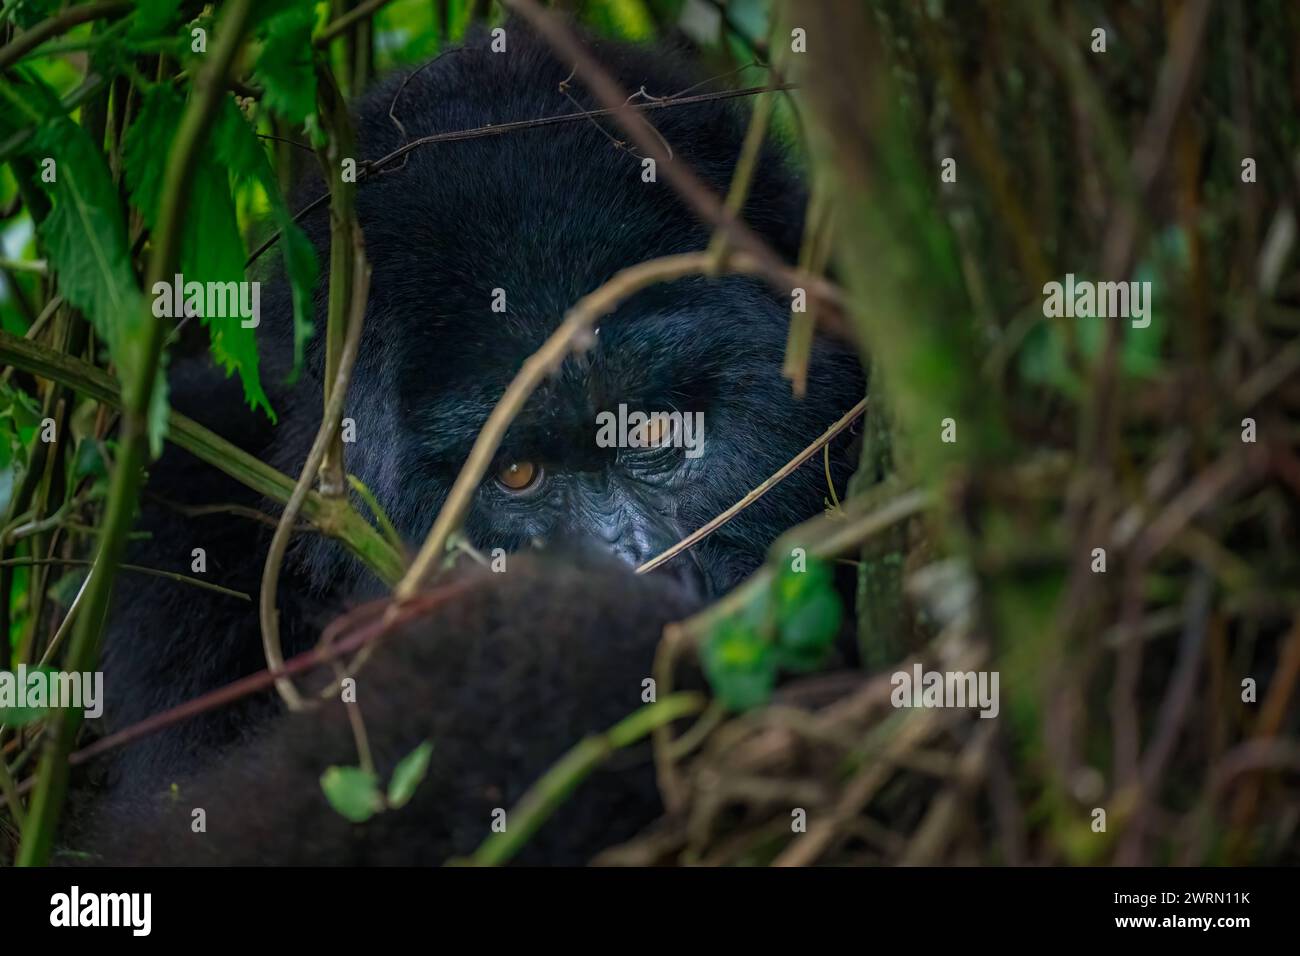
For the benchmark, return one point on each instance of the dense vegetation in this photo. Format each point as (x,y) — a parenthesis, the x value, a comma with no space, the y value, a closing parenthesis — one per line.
(1102,511)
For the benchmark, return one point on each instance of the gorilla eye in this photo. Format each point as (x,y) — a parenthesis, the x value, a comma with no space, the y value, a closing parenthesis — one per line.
(518,475)
(656,432)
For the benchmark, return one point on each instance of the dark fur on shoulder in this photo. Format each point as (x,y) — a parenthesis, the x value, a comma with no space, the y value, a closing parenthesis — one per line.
(502,681)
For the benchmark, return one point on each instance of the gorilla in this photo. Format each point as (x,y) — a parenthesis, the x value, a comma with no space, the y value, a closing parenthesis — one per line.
(536,658)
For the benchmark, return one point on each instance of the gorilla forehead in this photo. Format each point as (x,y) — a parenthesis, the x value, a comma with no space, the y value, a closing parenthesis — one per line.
(679,346)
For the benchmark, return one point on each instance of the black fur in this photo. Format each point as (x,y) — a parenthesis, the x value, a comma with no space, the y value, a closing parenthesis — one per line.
(548,215)
(503,681)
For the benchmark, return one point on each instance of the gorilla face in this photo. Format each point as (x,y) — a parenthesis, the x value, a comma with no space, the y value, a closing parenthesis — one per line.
(700,362)
(478,249)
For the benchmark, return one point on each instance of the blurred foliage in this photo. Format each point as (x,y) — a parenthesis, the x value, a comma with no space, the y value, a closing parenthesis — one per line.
(789,627)
(1122,686)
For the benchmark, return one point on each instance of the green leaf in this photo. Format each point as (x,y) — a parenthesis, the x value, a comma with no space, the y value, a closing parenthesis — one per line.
(147,146)
(284,66)
(740,665)
(793,588)
(88,461)
(17,716)
(17,405)
(27,13)
(238,148)
(807,632)
(301,267)
(86,240)
(1042,358)
(154,17)
(212,250)
(408,774)
(352,792)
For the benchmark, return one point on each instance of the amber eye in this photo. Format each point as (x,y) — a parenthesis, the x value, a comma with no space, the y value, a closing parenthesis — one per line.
(518,475)
(656,432)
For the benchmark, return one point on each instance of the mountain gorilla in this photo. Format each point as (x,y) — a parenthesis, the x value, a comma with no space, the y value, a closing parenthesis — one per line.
(536,658)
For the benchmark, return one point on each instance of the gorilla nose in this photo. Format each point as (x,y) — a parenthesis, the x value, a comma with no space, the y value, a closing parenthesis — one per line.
(684,568)
(637,537)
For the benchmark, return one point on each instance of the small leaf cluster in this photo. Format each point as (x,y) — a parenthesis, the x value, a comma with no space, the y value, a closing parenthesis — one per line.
(355,792)
(789,627)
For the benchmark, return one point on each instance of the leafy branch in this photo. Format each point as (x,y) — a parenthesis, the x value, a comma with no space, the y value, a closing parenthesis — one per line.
(83,650)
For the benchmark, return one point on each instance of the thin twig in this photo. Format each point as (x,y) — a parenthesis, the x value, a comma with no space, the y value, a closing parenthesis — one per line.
(695,537)
(267,613)
(699,197)
(367,171)
(135,568)
(337,28)
(237,690)
(61,22)
(335,517)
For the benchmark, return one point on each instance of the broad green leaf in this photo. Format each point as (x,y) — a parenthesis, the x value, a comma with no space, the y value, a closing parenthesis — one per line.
(147,146)
(353,792)
(408,774)
(19,416)
(86,240)
(238,148)
(284,66)
(264,11)
(212,250)
(31,100)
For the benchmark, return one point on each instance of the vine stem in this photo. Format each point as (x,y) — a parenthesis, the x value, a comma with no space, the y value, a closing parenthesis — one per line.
(347,21)
(329,425)
(29,40)
(550,790)
(334,517)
